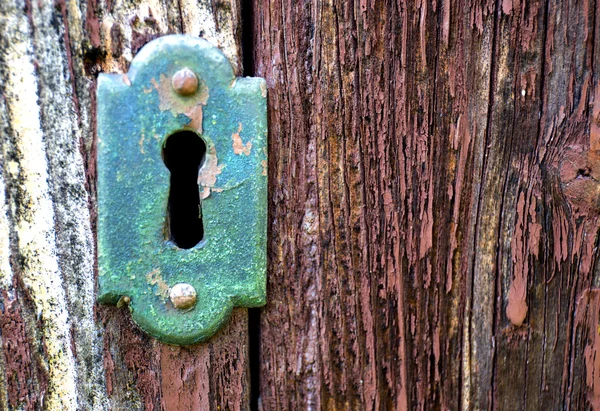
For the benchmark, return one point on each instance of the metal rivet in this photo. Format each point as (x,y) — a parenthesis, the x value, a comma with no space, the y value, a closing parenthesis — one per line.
(183,296)
(185,82)
(123,301)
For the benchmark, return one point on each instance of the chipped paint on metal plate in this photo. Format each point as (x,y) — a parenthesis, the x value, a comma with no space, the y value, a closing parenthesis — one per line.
(136,113)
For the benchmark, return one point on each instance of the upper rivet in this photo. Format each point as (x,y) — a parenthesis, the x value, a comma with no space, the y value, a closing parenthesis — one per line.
(185,82)
(183,296)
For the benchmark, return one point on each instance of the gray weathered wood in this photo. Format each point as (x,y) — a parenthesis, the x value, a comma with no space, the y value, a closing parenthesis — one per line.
(59,351)
(434,179)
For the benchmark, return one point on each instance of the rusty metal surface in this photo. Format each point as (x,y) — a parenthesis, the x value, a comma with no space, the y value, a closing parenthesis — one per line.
(137,112)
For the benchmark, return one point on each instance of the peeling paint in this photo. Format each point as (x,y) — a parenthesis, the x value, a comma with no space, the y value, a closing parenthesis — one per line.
(190,106)
(207,177)
(238,146)
(264,167)
(587,316)
(595,121)
(525,227)
(155,278)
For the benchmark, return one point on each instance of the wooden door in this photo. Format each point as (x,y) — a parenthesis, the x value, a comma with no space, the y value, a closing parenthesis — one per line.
(434,206)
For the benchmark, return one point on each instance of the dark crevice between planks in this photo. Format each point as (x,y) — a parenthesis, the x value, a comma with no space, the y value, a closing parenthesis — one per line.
(254,356)
(247,43)
(247,10)
(488,137)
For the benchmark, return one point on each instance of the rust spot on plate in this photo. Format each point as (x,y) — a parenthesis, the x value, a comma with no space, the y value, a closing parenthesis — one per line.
(207,178)
(191,105)
(263,89)
(238,145)
(154,278)
(195,115)
(264,166)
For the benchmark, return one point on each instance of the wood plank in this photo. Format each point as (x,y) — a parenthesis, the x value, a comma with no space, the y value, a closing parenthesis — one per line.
(433,214)
(58,350)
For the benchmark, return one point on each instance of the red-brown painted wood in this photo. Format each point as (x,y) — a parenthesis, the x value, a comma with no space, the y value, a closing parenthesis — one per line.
(434,204)
(433,216)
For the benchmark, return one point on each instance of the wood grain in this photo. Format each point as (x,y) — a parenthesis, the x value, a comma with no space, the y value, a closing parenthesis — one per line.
(434,208)
(58,350)
(434,204)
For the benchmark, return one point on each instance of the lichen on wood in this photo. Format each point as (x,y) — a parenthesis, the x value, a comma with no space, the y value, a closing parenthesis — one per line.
(32,213)
(58,349)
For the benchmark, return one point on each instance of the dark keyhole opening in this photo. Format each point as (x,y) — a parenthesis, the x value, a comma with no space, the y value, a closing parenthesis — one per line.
(183,155)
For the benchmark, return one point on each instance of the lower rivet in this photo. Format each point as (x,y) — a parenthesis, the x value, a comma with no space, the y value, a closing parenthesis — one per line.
(183,296)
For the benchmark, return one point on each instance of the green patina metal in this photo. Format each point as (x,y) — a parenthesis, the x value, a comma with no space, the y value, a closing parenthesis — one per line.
(137,112)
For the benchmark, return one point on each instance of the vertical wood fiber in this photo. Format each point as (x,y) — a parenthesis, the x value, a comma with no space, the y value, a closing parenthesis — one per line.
(434,208)
(58,350)
(434,204)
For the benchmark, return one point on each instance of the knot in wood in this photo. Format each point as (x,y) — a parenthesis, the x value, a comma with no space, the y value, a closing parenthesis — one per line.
(579,172)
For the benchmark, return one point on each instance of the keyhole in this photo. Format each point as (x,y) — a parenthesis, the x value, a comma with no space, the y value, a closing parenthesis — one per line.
(183,155)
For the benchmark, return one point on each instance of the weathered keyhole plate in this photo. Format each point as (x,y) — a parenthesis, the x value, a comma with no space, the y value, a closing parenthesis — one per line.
(138,265)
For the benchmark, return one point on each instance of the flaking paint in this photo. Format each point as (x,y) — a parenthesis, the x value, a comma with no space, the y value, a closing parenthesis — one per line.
(136,258)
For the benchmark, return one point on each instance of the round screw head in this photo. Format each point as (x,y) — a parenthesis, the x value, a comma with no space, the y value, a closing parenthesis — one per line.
(183,296)
(185,82)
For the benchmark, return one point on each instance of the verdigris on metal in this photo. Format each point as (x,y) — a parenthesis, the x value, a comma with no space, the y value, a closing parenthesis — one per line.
(138,264)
